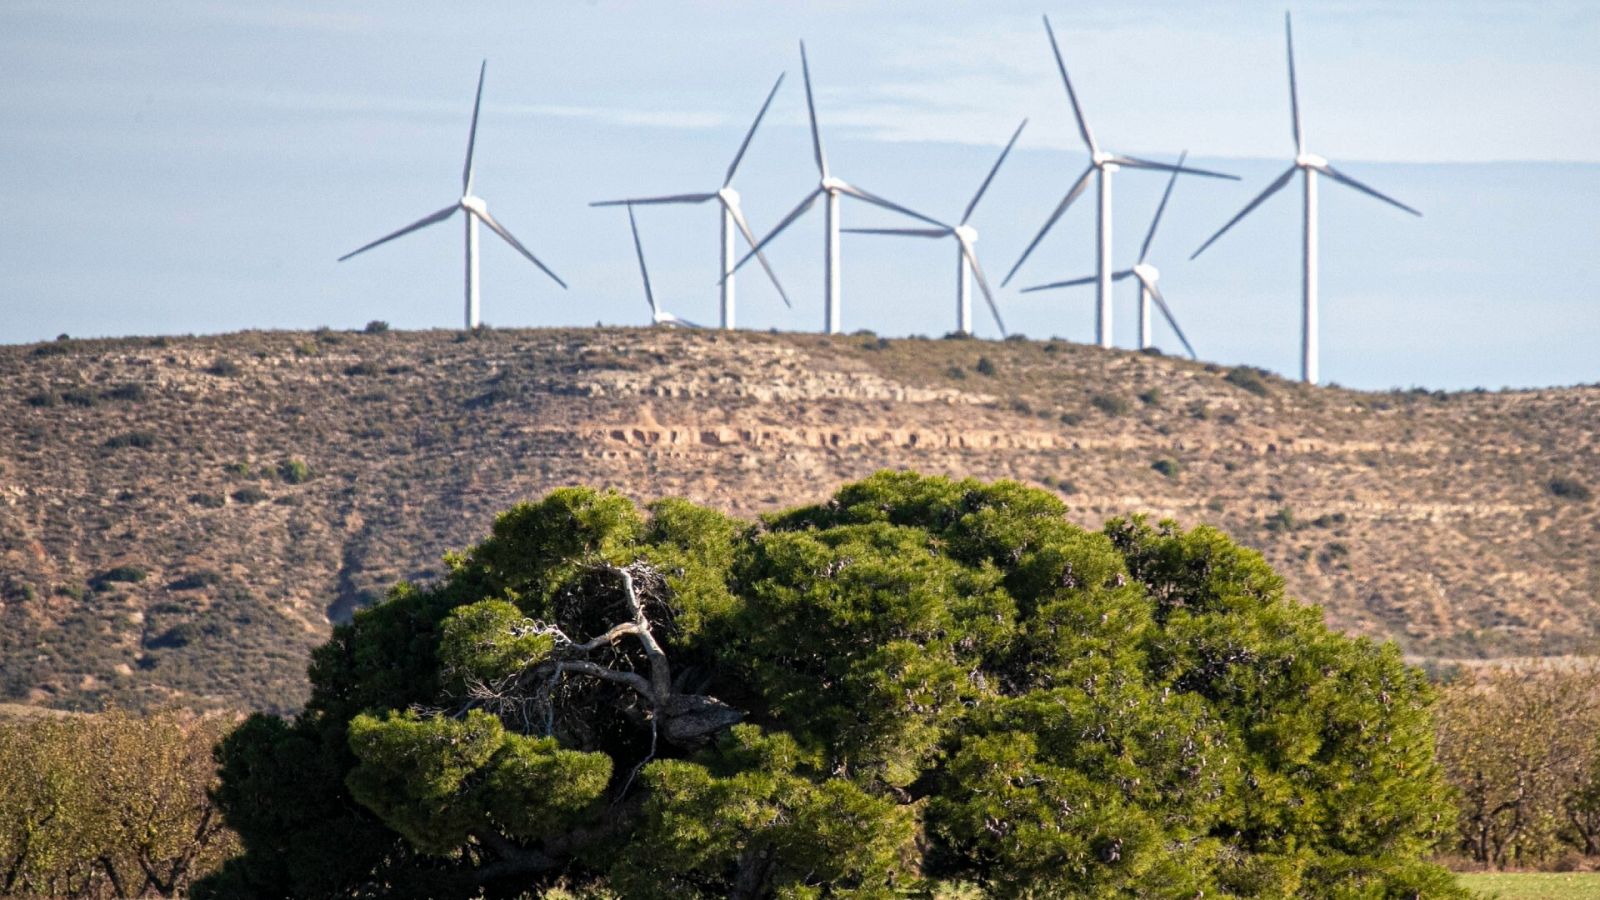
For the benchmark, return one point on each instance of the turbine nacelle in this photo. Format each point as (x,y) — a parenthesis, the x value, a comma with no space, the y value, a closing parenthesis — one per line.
(729,196)
(833,185)
(1310,161)
(1147,273)
(475,205)
(966,234)
(1104,160)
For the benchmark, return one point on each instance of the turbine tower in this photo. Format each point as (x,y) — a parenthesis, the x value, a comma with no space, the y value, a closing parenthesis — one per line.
(1103,165)
(966,257)
(1146,274)
(831,188)
(657,315)
(476,211)
(732,217)
(1311,165)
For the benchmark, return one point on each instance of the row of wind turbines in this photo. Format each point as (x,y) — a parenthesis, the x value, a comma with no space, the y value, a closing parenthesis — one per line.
(832,190)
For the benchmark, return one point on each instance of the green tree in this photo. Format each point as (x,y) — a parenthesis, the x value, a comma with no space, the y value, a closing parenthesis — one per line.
(921,685)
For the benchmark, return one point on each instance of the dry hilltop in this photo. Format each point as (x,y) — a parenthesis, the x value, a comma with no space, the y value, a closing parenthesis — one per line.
(181,518)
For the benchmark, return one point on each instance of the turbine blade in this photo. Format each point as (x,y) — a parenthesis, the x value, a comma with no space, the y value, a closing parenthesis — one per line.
(638,248)
(1346,180)
(1166,311)
(797,212)
(1134,162)
(505,235)
(423,222)
(734,166)
(1073,194)
(811,108)
(666,318)
(472,134)
(1077,111)
(645,201)
(750,237)
(1272,188)
(1144,249)
(876,200)
(983,285)
(985,186)
(1125,273)
(1294,89)
(1072,282)
(904,232)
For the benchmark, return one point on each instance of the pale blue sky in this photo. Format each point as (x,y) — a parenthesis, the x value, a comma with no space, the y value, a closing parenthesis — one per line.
(198,166)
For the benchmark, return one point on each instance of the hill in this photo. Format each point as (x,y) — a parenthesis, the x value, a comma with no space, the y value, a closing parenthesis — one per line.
(181,518)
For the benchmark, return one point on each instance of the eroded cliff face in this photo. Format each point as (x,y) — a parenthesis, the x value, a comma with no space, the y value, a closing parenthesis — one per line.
(157,545)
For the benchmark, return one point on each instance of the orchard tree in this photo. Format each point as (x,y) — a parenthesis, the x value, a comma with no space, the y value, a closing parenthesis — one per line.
(921,687)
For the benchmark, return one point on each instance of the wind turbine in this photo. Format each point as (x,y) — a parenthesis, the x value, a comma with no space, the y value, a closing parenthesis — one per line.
(732,217)
(476,211)
(657,315)
(966,258)
(1311,165)
(1104,165)
(1146,274)
(831,188)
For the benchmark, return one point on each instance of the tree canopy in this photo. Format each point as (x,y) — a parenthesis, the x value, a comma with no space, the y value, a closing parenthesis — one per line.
(921,687)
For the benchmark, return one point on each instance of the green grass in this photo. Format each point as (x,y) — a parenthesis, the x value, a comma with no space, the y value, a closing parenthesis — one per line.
(1530,885)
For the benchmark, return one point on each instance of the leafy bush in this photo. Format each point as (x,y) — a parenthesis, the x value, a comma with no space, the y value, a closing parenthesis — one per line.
(377,326)
(79,397)
(1167,466)
(1570,489)
(1151,397)
(985,366)
(921,681)
(1111,404)
(140,439)
(365,367)
(249,494)
(223,367)
(1248,378)
(131,392)
(120,575)
(41,399)
(294,471)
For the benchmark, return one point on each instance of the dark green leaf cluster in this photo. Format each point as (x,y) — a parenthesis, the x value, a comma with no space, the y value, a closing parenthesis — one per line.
(939,683)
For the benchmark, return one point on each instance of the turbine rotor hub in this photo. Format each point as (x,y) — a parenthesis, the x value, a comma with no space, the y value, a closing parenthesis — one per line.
(1310,161)
(729,196)
(474,205)
(1147,273)
(831,184)
(966,234)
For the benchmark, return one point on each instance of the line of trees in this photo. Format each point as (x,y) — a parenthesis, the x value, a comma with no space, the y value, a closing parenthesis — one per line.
(114,804)
(1521,748)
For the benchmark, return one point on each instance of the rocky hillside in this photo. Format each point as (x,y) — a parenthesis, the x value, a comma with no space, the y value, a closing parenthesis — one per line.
(181,518)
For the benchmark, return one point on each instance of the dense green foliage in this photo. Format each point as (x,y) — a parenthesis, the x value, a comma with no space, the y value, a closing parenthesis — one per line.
(922,685)
(108,805)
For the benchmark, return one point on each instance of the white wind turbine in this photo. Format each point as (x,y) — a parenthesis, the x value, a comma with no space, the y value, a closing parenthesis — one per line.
(1310,164)
(476,211)
(1146,274)
(658,316)
(831,188)
(1103,164)
(732,217)
(966,257)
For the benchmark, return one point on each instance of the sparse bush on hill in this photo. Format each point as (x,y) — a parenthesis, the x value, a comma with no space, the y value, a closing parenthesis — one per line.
(139,439)
(223,367)
(294,471)
(365,367)
(1248,378)
(1167,466)
(985,366)
(249,494)
(377,326)
(919,681)
(1570,489)
(1111,404)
